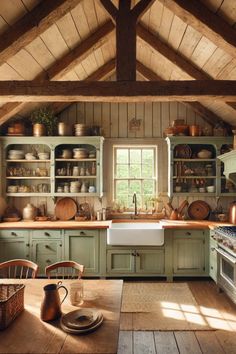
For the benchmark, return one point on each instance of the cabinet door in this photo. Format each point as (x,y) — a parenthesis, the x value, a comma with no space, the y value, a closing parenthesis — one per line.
(82,246)
(14,248)
(189,256)
(150,261)
(213,260)
(120,261)
(46,252)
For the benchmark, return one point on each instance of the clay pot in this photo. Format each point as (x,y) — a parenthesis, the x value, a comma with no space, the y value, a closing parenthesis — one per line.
(39,129)
(29,212)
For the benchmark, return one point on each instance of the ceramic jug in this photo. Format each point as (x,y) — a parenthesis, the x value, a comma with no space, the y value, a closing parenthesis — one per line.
(29,212)
(51,304)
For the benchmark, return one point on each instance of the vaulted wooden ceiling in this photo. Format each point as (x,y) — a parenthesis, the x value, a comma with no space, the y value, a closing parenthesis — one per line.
(74,40)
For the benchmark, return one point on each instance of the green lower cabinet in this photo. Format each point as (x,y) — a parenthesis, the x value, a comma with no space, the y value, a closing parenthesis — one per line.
(46,252)
(135,261)
(14,244)
(213,259)
(82,246)
(189,253)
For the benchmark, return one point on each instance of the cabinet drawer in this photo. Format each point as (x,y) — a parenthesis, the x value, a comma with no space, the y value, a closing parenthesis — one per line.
(46,248)
(81,232)
(46,234)
(189,233)
(13,233)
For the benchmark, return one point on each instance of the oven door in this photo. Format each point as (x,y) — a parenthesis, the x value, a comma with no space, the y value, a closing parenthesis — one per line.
(226,273)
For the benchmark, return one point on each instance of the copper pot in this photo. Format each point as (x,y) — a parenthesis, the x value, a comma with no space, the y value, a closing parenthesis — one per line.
(232,213)
(39,129)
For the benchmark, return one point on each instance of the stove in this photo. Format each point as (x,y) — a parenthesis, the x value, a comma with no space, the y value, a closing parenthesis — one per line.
(226,259)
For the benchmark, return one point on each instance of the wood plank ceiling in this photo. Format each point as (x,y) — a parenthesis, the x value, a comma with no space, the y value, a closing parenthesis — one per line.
(74,40)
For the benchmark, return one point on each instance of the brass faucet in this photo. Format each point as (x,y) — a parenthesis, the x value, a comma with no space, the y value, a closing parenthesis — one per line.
(135,204)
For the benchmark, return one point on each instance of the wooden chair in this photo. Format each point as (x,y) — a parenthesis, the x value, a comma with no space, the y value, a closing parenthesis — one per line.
(18,268)
(65,270)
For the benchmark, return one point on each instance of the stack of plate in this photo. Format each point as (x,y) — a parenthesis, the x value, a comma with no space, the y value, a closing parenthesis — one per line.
(80,153)
(81,129)
(16,154)
(81,321)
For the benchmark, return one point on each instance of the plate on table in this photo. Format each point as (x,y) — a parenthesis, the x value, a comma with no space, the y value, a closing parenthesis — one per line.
(74,321)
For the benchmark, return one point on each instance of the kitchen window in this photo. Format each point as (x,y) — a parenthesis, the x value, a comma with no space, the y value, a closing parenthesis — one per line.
(134,171)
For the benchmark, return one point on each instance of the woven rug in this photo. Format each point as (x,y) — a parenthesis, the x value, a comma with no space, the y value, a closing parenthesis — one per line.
(160,306)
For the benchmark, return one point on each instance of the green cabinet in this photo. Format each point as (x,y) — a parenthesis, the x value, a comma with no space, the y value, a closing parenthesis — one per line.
(136,261)
(213,259)
(14,244)
(190,252)
(82,246)
(46,248)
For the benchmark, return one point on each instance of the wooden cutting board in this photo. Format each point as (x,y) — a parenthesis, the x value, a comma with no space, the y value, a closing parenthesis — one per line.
(199,210)
(65,209)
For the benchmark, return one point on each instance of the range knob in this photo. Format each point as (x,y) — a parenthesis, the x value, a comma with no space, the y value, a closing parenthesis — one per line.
(226,243)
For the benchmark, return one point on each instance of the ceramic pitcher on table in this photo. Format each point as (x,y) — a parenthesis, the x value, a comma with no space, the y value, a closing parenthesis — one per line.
(51,304)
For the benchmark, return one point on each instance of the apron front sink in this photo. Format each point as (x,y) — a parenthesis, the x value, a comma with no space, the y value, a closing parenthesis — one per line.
(135,234)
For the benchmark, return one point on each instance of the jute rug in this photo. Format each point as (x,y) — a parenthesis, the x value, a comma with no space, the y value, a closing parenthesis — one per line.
(160,306)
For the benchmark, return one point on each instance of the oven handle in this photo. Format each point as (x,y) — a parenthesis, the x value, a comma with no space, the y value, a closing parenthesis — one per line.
(224,254)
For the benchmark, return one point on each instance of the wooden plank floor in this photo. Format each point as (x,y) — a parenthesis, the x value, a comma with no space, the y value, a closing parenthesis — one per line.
(220,313)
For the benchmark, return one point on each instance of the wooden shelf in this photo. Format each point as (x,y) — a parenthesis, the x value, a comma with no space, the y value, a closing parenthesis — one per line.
(76,160)
(28,194)
(194,160)
(192,177)
(33,177)
(29,161)
(75,177)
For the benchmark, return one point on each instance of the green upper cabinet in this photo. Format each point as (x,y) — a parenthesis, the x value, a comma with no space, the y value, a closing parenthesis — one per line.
(52,166)
(14,244)
(190,252)
(193,166)
(82,246)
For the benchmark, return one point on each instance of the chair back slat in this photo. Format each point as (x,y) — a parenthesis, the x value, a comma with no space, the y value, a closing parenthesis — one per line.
(18,268)
(64,270)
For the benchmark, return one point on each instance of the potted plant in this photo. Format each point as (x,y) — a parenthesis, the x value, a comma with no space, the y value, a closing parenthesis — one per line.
(43,119)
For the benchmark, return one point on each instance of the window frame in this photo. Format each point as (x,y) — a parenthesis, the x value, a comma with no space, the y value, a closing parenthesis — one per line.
(138,146)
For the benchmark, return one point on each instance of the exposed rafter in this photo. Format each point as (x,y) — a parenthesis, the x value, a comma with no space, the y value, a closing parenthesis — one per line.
(195,14)
(197,107)
(106,91)
(155,43)
(32,25)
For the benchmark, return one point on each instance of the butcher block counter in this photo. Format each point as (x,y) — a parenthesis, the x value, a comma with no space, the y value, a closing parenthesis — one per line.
(86,225)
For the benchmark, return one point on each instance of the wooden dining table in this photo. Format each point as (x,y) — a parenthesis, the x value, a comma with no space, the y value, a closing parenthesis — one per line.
(29,334)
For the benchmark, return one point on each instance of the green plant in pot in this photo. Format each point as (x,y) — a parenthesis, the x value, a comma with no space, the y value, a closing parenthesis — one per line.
(43,119)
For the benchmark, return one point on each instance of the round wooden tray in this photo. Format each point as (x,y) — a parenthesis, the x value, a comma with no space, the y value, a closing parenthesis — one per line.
(199,210)
(65,209)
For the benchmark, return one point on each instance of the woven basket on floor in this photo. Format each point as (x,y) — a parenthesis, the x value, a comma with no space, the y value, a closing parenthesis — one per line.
(11,303)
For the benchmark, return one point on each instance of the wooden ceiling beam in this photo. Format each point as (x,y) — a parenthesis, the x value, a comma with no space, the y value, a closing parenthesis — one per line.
(126,91)
(210,25)
(155,43)
(209,116)
(83,50)
(32,25)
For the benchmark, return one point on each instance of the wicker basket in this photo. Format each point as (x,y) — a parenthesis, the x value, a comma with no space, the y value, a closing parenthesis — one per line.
(11,303)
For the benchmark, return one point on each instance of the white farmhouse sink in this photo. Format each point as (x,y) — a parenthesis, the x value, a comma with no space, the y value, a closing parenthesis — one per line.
(135,234)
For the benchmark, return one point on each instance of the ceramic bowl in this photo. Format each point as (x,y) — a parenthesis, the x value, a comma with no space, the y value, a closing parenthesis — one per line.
(204,154)
(43,155)
(210,189)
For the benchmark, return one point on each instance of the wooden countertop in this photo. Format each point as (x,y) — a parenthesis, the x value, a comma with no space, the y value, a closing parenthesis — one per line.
(71,225)
(86,225)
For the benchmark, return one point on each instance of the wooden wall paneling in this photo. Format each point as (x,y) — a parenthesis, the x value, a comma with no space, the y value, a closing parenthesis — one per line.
(55,42)
(40,53)
(107,51)
(227,11)
(191,116)
(226,71)
(114,120)
(182,111)
(81,73)
(68,30)
(30,4)
(80,21)
(70,76)
(99,57)
(89,64)
(80,116)
(177,31)
(123,120)
(72,116)
(90,13)
(140,114)
(89,113)
(97,119)
(216,63)
(189,42)
(106,119)
(3,25)
(165,115)
(156,119)
(148,120)
(25,65)
(212,5)
(131,115)
(166,22)
(203,52)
